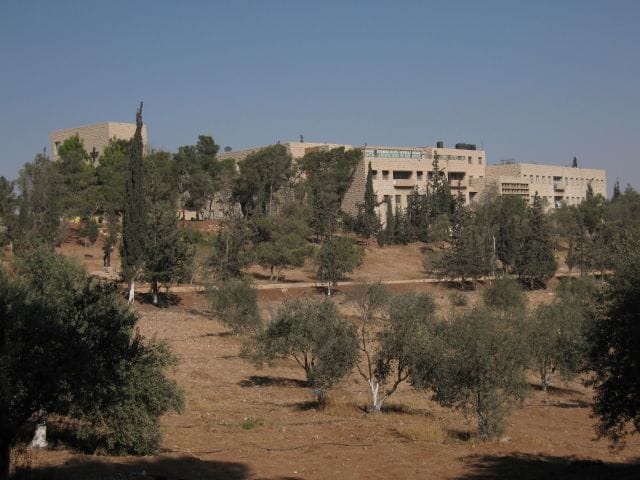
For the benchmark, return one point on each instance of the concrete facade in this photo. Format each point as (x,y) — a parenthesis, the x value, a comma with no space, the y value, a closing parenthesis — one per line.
(96,136)
(554,184)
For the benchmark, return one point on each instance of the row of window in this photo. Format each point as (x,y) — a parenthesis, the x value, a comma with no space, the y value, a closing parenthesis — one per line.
(567,180)
(414,154)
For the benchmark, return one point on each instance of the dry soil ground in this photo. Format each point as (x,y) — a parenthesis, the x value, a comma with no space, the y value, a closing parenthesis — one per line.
(245,423)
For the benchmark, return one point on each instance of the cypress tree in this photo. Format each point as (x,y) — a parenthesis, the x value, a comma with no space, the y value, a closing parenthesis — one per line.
(371,224)
(134,216)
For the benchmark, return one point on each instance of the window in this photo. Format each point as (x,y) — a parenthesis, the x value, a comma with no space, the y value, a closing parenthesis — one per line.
(385,174)
(479,160)
(398,200)
(469,160)
(419,175)
(374,174)
(387,199)
(56,146)
(401,175)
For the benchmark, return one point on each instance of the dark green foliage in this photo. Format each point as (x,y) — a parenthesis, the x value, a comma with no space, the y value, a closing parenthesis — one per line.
(441,201)
(262,175)
(505,295)
(616,191)
(168,255)
(615,352)
(315,335)
(328,176)
(417,216)
(69,346)
(557,333)
(112,173)
(232,249)
(337,257)
(592,209)
(90,229)
(235,303)
(281,242)
(536,263)
(8,205)
(79,190)
(134,220)
(367,222)
(511,225)
(40,203)
(198,177)
(402,234)
(469,256)
(477,365)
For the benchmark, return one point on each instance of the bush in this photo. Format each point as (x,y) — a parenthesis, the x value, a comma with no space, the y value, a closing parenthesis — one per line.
(458,299)
(235,303)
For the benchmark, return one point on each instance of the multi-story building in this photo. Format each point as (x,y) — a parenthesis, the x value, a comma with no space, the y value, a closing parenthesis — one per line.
(96,137)
(397,171)
(554,184)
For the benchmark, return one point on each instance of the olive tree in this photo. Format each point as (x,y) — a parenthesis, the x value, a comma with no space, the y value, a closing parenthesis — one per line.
(235,303)
(315,335)
(476,365)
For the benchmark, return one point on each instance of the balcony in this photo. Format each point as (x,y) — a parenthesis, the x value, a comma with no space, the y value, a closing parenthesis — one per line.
(404,183)
(559,186)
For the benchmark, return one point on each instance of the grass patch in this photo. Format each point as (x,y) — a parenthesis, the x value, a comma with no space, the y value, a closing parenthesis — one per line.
(250,423)
(428,431)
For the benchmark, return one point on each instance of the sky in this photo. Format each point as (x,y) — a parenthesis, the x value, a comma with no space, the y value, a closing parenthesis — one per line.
(536,81)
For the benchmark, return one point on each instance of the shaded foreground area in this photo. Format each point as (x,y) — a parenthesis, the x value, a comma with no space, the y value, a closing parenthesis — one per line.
(241,422)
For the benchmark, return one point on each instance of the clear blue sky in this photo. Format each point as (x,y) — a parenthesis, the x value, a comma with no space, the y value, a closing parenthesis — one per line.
(538,81)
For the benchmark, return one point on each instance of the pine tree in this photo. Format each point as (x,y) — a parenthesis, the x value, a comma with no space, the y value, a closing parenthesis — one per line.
(616,190)
(536,262)
(134,218)
(417,213)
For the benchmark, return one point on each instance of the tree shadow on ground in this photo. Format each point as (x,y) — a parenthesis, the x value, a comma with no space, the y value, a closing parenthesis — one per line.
(165,300)
(557,391)
(281,279)
(529,467)
(266,381)
(152,468)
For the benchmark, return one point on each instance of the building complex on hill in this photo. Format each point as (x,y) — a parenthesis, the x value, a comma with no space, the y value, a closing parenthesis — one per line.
(397,171)
(95,137)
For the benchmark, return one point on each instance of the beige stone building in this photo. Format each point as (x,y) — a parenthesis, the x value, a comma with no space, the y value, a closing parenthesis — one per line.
(398,170)
(96,136)
(554,184)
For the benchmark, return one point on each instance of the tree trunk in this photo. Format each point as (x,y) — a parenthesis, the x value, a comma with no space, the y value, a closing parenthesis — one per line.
(40,436)
(376,400)
(5,458)
(544,379)
(132,291)
(482,426)
(154,292)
